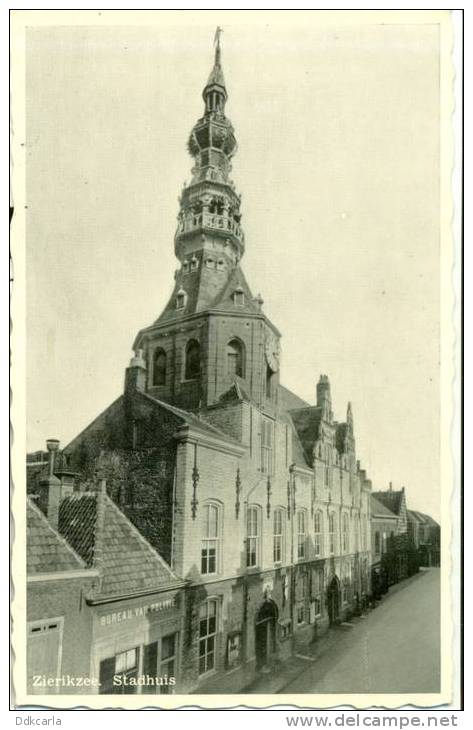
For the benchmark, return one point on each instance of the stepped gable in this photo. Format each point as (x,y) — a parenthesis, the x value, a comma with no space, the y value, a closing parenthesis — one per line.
(46,550)
(106,540)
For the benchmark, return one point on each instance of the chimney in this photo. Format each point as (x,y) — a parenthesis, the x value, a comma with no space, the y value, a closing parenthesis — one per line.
(390,486)
(135,375)
(50,486)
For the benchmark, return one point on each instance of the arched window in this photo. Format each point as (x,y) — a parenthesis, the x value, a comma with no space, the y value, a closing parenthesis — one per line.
(332,532)
(253,536)
(192,369)
(159,367)
(301,534)
(278,536)
(346,534)
(318,533)
(209,553)
(236,358)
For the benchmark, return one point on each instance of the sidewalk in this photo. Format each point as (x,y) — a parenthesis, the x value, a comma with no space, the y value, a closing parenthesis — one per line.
(333,641)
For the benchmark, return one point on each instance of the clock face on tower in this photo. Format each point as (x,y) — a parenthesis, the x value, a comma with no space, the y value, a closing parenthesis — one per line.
(271,350)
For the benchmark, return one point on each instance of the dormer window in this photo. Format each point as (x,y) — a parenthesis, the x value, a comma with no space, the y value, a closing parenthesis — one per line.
(185,267)
(220,265)
(239,297)
(181,299)
(210,264)
(194,264)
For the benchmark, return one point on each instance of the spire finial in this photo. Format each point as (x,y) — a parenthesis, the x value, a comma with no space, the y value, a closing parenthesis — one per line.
(218,33)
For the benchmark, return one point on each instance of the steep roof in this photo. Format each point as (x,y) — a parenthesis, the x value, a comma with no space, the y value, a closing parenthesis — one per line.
(391,499)
(106,539)
(378,509)
(289,400)
(306,423)
(422,518)
(209,289)
(46,550)
(198,423)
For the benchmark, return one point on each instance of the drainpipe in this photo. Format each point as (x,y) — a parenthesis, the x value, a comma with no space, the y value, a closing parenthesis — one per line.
(292,503)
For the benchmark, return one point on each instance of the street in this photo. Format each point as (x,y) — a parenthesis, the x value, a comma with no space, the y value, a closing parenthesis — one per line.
(396,648)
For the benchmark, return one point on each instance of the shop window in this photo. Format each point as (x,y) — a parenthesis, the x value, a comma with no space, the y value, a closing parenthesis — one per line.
(253,536)
(318,533)
(267,426)
(332,532)
(278,536)
(192,364)
(236,358)
(159,367)
(123,665)
(301,534)
(209,554)
(207,635)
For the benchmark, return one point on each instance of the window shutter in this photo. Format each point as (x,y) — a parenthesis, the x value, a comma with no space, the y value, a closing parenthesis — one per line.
(107,670)
(150,666)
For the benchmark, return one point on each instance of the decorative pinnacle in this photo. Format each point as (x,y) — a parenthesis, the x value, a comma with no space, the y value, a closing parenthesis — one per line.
(218,33)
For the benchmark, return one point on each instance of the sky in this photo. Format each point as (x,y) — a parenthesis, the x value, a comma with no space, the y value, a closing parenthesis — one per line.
(338,167)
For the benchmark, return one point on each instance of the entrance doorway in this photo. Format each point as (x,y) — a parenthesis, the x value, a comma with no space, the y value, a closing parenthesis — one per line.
(265,633)
(333,601)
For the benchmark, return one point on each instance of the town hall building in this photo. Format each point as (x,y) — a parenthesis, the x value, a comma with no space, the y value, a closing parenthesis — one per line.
(252,496)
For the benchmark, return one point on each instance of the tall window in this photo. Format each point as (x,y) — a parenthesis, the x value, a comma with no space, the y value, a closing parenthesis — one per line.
(207,635)
(210,540)
(192,368)
(346,534)
(269,380)
(302,594)
(317,589)
(301,534)
(377,543)
(159,367)
(332,532)
(253,528)
(267,427)
(278,536)
(318,533)
(236,358)
(159,660)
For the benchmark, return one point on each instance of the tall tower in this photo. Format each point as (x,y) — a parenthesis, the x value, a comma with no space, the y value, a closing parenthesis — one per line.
(212,333)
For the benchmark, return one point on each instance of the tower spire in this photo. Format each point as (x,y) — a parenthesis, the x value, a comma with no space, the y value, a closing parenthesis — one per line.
(209,215)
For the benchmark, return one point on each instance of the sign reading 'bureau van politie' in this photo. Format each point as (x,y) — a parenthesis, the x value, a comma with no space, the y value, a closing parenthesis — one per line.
(118,617)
